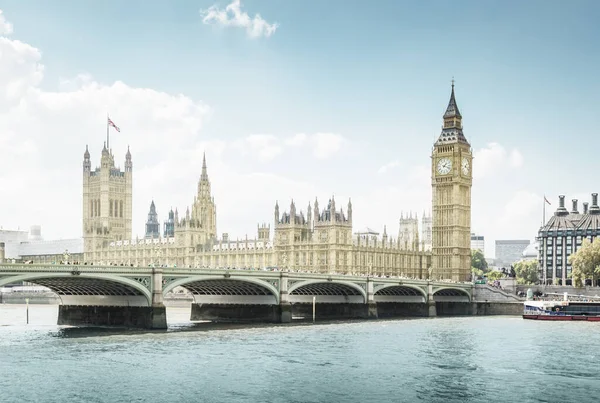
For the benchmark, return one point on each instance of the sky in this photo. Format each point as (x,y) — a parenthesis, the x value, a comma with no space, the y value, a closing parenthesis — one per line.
(297,100)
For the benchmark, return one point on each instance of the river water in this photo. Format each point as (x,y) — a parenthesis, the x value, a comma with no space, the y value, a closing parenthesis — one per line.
(468,359)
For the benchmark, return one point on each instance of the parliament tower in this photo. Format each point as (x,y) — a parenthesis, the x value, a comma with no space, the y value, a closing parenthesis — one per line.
(107,197)
(451,180)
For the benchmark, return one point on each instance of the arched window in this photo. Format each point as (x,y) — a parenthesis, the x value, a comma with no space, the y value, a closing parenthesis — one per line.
(110,209)
(121,208)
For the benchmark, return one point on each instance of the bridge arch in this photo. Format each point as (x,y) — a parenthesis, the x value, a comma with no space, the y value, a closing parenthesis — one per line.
(207,289)
(334,291)
(89,288)
(399,293)
(451,294)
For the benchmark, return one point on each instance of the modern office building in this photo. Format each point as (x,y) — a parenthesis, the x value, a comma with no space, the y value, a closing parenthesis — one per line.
(562,235)
(478,243)
(509,251)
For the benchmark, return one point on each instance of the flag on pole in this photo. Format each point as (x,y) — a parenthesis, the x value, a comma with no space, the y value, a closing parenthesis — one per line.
(546,200)
(111,123)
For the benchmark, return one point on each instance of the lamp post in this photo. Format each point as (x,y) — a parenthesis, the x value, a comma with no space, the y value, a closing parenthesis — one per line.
(66,256)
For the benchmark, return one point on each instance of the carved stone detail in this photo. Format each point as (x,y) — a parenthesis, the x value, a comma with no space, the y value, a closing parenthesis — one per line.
(273,282)
(145,281)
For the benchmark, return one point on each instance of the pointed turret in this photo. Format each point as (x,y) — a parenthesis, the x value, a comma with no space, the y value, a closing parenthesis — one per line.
(292,212)
(128,164)
(349,210)
(204,175)
(452,128)
(152,224)
(276,212)
(452,109)
(87,165)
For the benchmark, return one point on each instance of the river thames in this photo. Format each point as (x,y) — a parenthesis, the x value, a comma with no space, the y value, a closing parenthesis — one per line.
(468,359)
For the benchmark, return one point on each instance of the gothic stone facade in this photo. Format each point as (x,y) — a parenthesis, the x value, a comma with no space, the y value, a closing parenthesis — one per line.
(451,179)
(321,240)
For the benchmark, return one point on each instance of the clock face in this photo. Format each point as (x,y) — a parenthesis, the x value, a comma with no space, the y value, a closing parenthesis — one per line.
(465,166)
(444,166)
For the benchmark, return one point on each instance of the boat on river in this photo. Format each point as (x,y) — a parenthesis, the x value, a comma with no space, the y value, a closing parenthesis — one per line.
(571,307)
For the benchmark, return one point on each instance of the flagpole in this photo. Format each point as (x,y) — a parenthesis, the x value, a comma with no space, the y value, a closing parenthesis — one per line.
(544,215)
(107,132)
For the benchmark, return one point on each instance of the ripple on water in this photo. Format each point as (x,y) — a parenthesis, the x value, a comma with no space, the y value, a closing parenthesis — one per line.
(443,360)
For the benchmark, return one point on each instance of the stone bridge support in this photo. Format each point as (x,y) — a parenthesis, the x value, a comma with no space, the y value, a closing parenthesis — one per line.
(151,316)
(371,304)
(284,299)
(431,308)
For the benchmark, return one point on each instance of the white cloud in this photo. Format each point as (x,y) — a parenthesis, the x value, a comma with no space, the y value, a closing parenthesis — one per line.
(43,136)
(232,16)
(297,140)
(326,144)
(516,159)
(6,27)
(264,146)
(495,159)
(390,165)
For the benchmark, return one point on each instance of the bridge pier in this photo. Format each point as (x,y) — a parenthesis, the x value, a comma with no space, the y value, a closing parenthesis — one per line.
(143,317)
(236,313)
(431,306)
(371,308)
(284,300)
(159,311)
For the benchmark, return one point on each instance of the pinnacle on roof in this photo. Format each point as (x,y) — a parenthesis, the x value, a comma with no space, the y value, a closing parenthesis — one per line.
(452,109)
(86,155)
(128,155)
(204,175)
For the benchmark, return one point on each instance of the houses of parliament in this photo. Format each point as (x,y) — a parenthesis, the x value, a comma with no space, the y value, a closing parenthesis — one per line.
(319,239)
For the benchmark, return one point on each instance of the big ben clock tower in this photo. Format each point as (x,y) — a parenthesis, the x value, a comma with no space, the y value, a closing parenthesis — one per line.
(451,180)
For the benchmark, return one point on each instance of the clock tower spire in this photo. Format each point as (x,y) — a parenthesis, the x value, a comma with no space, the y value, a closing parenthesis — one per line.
(451,181)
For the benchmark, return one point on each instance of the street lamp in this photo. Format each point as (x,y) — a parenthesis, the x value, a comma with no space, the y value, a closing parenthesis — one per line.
(66,256)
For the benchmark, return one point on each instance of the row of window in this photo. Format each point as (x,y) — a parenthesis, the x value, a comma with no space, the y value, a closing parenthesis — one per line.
(115,208)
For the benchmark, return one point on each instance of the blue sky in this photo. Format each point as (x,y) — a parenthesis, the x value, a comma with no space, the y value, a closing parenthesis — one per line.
(376,73)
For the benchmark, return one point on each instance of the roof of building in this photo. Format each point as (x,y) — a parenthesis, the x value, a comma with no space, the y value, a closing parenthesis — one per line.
(55,247)
(367,231)
(531,251)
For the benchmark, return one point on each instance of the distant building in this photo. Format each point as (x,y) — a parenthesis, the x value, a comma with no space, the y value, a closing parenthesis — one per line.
(510,251)
(532,251)
(478,243)
(12,239)
(169,226)
(152,225)
(51,252)
(562,235)
(30,246)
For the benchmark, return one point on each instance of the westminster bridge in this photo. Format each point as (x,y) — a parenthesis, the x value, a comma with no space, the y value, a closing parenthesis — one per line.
(134,296)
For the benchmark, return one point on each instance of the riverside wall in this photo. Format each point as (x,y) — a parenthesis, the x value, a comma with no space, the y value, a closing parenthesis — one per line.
(561,289)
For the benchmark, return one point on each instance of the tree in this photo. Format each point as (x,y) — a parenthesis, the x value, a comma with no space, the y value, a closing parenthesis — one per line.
(478,261)
(494,275)
(476,272)
(527,271)
(585,262)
